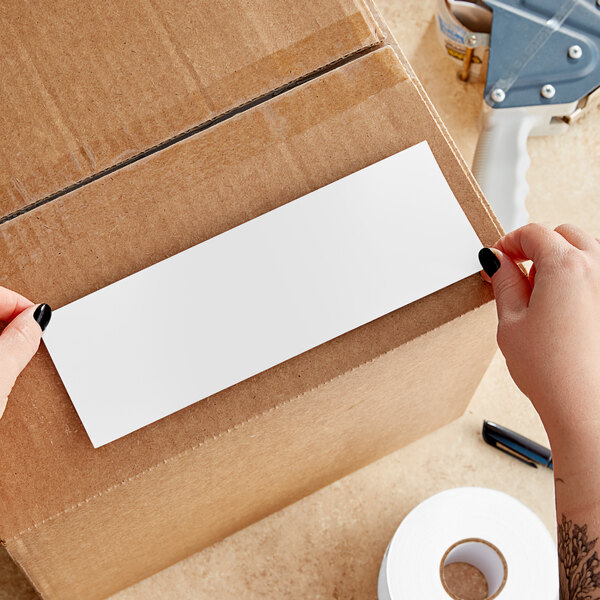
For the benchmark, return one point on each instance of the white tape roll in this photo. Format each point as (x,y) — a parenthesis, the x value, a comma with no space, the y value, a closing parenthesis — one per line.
(489,530)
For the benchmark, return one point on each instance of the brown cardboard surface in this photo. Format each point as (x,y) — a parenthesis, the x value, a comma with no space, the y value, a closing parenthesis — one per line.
(79,519)
(86,86)
(92,237)
(330,544)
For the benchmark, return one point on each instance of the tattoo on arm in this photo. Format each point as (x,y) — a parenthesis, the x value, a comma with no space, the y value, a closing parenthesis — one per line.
(578,563)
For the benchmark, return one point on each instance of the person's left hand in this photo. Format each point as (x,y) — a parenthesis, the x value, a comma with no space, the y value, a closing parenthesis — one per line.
(20,339)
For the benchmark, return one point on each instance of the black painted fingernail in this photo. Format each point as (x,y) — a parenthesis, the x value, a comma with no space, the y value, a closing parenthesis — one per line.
(489,261)
(42,315)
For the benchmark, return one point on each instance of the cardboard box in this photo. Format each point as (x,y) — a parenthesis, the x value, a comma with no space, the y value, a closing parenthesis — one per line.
(84,523)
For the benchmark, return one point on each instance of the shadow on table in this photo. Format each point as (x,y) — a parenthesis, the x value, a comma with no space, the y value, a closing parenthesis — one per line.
(13,584)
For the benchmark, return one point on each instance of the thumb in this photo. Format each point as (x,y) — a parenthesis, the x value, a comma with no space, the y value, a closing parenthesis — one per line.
(511,287)
(18,343)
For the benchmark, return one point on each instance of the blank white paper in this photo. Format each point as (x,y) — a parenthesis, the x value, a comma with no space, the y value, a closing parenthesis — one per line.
(261,293)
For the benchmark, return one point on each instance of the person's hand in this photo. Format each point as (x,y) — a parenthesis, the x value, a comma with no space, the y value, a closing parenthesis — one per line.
(20,339)
(549,322)
(549,333)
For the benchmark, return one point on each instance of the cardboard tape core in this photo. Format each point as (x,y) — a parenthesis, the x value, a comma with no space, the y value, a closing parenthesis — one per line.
(480,560)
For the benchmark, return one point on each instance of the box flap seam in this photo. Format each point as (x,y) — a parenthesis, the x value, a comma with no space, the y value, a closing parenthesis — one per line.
(242,108)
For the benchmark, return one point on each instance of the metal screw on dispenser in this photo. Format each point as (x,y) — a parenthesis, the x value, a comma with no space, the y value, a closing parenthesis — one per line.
(498,95)
(548,91)
(575,52)
(472,40)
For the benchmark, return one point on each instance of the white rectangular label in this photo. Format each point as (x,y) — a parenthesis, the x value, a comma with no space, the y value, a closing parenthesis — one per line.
(261,293)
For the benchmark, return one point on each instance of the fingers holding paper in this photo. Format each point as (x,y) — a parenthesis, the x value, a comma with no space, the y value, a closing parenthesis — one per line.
(512,288)
(20,338)
(548,328)
(552,252)
(534,242)
(11,304)
(578,237)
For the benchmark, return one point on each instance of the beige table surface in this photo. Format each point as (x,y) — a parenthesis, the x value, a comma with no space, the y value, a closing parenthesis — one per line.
(330,544)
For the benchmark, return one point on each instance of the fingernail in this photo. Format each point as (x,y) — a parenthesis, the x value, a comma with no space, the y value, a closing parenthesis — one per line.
(42,315)
(489,261)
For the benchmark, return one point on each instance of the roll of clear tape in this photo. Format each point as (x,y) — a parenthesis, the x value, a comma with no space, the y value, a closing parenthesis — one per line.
(483,529)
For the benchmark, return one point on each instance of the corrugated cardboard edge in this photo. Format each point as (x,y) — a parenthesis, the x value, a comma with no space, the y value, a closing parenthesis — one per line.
(390,40)
(20,546)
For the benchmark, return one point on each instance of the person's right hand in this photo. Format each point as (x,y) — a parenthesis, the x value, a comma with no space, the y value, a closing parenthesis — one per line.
(549,322)
(549,333)
(20,339)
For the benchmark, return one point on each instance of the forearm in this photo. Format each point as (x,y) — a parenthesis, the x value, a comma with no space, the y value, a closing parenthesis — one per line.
(576,456)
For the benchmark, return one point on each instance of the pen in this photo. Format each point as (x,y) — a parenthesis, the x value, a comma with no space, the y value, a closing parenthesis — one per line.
(516,445)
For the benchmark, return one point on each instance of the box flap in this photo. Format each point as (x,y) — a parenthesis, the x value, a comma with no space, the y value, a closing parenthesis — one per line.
(85,87)
(178,197)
